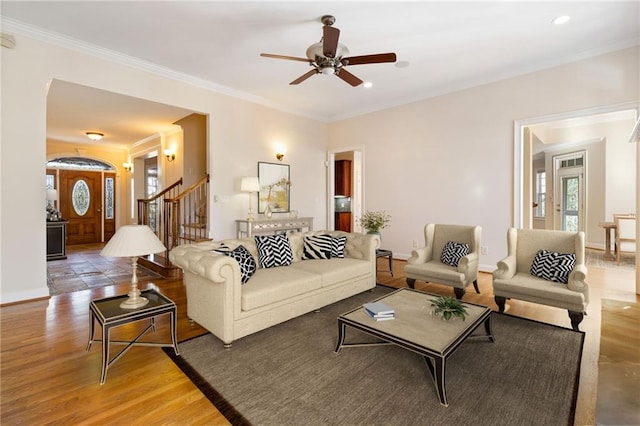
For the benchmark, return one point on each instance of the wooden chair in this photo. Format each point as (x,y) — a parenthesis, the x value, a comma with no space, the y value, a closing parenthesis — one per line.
(625,234)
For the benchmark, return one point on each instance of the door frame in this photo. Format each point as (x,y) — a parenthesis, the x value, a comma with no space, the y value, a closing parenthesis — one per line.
(357,182)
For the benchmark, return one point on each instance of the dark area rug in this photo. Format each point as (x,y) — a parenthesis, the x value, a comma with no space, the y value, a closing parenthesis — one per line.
(290,375)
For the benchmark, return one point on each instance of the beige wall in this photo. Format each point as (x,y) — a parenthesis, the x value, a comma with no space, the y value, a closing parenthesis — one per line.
(449,159)
(194,164)
(239,135)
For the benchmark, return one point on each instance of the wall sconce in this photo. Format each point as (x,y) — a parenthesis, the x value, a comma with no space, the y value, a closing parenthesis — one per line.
(170,155)
(279,155)
(127,167)
(94,136)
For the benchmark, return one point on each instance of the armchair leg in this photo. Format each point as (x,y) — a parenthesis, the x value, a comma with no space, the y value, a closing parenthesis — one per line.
(411,283)
(576,319)
(500,301)
(475,285)
(459,292)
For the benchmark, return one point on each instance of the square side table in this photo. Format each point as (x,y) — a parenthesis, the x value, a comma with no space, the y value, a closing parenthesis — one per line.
(108,313)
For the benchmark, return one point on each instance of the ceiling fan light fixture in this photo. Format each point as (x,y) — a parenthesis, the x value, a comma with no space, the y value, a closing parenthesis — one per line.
(316,51)
(328,71)
(561,20)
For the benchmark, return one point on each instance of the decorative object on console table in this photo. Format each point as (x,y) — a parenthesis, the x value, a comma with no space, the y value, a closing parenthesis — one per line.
(133,241)
(274,188)
(247,229)
(56,240)
(250,185)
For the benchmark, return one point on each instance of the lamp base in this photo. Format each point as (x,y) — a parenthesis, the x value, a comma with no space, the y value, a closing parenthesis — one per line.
(134,302)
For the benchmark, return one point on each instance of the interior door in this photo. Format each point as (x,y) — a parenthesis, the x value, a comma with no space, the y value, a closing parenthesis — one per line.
(570,200)
(80,200)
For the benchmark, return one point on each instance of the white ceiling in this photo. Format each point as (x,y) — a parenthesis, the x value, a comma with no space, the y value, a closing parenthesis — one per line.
(448,45)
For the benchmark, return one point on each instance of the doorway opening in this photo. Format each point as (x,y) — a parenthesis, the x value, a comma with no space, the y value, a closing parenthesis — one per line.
(345,188)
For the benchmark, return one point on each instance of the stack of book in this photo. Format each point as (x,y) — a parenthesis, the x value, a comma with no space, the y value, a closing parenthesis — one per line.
(379,311)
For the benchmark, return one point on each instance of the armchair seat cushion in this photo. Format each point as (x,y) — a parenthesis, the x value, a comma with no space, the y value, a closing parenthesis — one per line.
(524,286)
(436,271)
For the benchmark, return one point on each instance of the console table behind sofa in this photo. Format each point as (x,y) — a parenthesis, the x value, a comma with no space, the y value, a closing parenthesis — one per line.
(247,229)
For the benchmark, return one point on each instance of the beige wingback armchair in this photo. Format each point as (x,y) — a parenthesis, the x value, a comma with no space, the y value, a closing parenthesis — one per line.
(425,263)
(513,278)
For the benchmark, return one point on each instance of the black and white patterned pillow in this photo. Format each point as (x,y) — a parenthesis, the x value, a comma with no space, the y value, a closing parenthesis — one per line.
(562,266)
(337,246)
(452,252)
(552,266)
(542,265)
(244,258)
(316,247)
(273,250)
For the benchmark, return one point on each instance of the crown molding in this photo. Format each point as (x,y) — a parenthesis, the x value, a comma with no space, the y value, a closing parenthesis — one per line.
(37,33)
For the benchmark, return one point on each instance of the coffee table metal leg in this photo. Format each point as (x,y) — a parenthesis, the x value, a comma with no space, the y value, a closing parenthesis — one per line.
(341,333)
(437,368)
(488,329)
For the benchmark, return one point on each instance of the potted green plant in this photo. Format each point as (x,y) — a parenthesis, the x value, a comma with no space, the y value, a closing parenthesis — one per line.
(448,307)
(373,222)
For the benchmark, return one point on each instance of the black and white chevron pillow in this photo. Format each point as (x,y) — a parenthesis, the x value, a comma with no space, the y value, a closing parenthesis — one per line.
(452,252)
(563,264)
(244,258)
(542,265)
(552,266)
(316,247)
(337,246)
(273,250)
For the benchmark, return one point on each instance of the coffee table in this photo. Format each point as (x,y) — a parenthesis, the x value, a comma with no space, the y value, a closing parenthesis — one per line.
(416,329)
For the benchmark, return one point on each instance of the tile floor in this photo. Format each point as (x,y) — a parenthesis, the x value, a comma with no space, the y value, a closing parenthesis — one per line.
(84,268)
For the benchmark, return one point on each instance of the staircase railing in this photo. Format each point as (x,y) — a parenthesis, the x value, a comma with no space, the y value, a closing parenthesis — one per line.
(152,210)
(187,215)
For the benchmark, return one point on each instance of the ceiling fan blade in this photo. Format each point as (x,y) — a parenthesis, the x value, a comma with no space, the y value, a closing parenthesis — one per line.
(304,77)
(290,58)
(348,77)
(330,37)
(370,59)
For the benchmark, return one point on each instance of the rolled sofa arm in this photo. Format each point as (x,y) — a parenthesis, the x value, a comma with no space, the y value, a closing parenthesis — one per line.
(199,260)
(361,246)
(506,268)
(577,281)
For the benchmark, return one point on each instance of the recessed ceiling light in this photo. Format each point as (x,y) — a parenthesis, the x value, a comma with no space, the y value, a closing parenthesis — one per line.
(402,64)
(367,84)
(561,20)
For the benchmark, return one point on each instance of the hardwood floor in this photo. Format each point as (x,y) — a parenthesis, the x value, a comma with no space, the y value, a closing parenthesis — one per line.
(48,377)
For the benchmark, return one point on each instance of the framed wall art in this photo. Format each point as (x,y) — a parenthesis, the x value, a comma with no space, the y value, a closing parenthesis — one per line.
(274,187)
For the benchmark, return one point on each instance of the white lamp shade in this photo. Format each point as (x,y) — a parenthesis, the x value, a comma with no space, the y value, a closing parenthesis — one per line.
(250,184)
(52,195)
(133,240)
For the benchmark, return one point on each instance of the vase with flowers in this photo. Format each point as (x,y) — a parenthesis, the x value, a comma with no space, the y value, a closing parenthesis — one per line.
(374,221)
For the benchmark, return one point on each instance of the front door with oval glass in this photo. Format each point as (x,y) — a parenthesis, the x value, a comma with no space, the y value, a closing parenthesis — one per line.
(81,205)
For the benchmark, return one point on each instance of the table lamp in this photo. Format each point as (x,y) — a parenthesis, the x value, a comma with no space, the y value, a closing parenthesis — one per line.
(133,241)
(250,184)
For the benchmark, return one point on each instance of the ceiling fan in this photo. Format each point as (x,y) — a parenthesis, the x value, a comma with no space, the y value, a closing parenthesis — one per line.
(330,57)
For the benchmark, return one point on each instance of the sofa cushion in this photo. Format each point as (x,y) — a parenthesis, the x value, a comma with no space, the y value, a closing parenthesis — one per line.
(337,246)
(317,247)
(273,250)
(273,285)
(243,257)
(452,252)
(335,271)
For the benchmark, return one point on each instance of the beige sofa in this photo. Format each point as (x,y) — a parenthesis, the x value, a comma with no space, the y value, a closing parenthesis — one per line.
(218,301)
